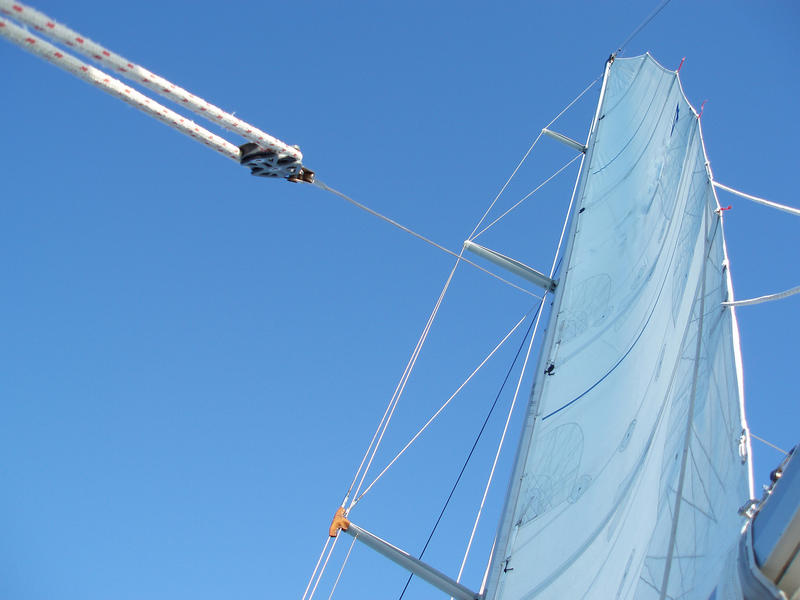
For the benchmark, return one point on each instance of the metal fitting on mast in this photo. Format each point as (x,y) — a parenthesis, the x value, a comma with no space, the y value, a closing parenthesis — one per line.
(264,162)
(339,523)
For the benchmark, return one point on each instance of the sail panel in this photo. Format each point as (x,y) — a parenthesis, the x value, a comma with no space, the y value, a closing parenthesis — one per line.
(640,402)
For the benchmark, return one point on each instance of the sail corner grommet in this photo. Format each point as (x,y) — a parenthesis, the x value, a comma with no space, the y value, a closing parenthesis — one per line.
(339,523)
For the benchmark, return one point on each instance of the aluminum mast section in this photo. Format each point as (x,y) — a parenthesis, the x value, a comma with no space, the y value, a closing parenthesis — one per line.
(499,556)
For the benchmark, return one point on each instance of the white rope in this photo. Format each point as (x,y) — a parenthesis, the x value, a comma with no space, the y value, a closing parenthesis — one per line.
(791,210)
(528,195)
(45,50)
(770,444)
(438,412)
(341,569)
(499,446)
(767,298)
(94,51)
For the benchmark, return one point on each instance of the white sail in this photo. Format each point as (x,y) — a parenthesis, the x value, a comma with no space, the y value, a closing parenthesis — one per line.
(634,460)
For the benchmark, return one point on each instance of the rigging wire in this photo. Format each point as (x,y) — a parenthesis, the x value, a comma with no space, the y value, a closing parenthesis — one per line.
(403,380)
(377,437)
(641,26)
(388,410)
(322,570)
(525,156)
(790,209)
(505,185)
(488,566)
(387,415)
(459,255)
(316,567)
(553,268)
(499,448)
(441,408)
(474,444)
(528,195)
(770,444)
(372,448)
(557,258)
(341,569)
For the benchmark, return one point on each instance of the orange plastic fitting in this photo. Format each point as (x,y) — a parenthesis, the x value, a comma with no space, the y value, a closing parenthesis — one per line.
(339,523)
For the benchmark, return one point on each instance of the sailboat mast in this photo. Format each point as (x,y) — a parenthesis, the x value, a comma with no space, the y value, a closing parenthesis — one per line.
(506,527)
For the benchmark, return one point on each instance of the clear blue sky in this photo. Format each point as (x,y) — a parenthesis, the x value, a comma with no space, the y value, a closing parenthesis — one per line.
(193,359)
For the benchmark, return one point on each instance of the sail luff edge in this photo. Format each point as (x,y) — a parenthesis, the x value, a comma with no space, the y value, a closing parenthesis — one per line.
(506,520)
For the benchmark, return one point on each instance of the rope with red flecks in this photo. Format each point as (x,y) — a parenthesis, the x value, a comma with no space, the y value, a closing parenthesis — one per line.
(82,45)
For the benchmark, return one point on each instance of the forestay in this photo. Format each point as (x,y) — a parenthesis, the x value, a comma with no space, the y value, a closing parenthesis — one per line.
(634,459)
